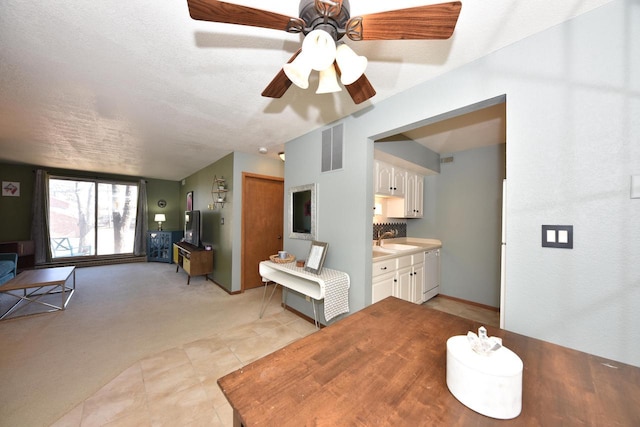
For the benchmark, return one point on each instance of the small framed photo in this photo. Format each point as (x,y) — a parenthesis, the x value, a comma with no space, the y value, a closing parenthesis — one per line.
(317,254)
(190,201)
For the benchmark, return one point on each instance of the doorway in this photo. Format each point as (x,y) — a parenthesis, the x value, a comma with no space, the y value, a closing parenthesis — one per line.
(262,224)
(464,200)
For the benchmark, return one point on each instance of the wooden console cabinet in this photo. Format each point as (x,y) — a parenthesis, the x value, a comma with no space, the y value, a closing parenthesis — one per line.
(193,260)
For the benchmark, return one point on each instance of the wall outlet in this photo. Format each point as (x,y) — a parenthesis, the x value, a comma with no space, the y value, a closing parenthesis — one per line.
(221,221)
(308,298)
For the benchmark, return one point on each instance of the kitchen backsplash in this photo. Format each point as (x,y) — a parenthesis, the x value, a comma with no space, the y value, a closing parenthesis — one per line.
(378,229)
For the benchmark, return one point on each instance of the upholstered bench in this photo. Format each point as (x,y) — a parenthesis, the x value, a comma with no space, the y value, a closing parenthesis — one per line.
(8,266)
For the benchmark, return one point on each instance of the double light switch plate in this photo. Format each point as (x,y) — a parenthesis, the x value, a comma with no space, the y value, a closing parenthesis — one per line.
(557,236)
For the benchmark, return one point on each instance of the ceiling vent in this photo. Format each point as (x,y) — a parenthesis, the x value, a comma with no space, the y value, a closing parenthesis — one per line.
(446,159)
(332,148)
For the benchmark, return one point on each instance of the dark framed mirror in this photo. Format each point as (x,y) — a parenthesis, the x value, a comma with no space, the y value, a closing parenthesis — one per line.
(302,212)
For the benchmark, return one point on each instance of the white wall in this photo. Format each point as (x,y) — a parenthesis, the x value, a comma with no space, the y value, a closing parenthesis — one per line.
(573,132)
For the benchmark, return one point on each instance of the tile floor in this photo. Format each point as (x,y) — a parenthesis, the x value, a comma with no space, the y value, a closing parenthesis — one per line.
(178,386)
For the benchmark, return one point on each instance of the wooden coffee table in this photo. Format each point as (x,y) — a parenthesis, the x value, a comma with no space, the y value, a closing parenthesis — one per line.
(35,284)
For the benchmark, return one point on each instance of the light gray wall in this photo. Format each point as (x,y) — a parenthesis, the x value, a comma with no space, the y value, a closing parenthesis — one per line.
(463,209)
(573,126)
(344,219)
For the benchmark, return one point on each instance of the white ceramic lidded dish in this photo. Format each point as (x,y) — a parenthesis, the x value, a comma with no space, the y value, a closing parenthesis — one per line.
(490,384)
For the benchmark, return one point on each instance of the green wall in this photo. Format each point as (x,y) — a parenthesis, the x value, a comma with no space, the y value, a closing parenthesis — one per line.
(212,230)
(222,227)
(15,212)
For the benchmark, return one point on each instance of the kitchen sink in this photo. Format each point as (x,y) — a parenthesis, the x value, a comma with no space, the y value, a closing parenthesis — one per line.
(392,248)
(395,247)
(382,252)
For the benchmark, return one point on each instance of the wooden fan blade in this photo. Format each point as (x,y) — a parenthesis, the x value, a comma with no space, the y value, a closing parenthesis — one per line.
(218,11)
(436,21)
(361,90)
(280,82)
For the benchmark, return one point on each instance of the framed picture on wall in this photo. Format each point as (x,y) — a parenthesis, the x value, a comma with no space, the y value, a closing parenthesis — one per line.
(11,188)
(317,254)
(190,201)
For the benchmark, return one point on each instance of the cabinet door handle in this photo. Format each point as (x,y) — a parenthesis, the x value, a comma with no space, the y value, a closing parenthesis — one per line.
(383,268)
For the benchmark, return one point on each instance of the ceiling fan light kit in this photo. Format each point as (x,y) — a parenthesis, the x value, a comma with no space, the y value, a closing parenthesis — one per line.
(324,23)
(328,81)
(351,65)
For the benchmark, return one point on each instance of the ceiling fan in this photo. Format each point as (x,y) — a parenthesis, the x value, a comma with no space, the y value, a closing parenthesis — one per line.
(324,23)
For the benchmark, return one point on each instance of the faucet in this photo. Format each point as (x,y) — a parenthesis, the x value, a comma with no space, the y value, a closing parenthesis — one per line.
(391,233)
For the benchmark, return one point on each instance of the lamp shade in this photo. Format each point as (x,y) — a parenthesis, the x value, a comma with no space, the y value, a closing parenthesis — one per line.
(159,218)
(298,71)
(320,49)
(351,65)
(328,81)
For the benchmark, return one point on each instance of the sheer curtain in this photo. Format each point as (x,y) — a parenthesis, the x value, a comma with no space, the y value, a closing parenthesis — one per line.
(40,218)
(140,242)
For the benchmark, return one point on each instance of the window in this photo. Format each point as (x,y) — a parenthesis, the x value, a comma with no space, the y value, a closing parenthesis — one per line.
(90,218)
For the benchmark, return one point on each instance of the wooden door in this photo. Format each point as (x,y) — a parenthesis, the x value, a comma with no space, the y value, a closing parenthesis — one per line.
(262,224)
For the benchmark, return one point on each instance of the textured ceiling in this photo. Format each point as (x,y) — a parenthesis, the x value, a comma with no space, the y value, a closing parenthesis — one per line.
(138,88)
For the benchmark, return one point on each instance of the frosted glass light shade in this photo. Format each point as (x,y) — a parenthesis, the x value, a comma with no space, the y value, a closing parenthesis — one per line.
(298,71)
(328,81)
(320,48)
(352,65)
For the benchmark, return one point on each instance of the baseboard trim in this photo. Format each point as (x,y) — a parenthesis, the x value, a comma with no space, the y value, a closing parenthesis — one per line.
(301,315)
(477,304)
(92,262)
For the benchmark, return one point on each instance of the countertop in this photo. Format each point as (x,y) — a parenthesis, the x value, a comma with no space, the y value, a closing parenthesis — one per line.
(423,246)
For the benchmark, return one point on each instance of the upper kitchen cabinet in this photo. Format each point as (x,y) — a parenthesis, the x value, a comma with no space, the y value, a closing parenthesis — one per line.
(389,180)
(412,204)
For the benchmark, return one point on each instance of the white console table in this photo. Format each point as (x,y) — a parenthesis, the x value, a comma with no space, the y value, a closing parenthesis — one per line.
(330,285)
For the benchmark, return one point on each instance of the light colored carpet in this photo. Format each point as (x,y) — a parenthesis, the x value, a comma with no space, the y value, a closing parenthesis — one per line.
(119,314)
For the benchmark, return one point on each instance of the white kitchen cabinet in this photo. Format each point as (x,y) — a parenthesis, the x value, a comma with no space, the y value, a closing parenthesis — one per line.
(401,277)
(383,279)
(418,283)
(404,284)
(389,180)
(382,286)
(412,204)
(431,274)
(414,198)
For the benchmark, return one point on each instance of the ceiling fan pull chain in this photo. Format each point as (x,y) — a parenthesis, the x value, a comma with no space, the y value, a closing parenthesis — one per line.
(354,28)
(295,25)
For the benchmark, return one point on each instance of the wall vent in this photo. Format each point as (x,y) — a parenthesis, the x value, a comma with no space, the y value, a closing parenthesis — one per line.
(446,159)
(332,148)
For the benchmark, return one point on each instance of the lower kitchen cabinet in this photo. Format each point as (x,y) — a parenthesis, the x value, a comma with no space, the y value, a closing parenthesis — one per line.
(414,278)
(401,277)
(384,279)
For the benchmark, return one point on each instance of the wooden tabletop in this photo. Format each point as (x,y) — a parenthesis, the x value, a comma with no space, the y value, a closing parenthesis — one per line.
(38,277)
(386,366)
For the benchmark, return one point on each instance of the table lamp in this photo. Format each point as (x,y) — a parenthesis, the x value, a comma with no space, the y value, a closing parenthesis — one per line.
(160,218)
